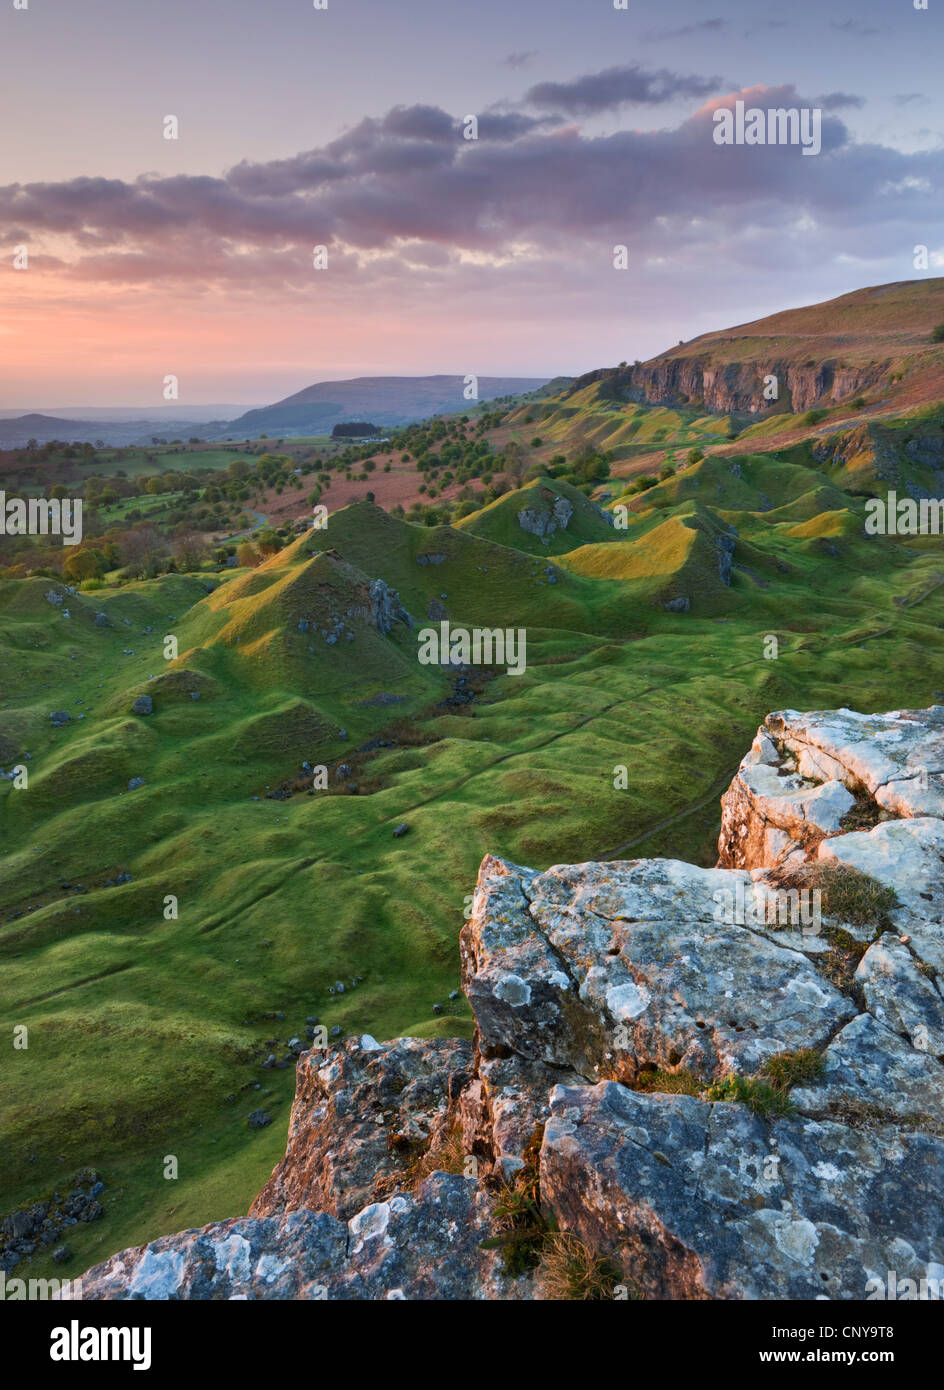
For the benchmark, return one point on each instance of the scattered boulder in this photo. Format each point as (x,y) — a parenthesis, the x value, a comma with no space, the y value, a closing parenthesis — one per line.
(143,705)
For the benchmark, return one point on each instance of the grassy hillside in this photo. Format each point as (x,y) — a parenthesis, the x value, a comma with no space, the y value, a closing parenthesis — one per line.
(896,318)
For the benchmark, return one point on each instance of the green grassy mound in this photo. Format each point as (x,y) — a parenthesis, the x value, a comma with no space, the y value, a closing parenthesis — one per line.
(579,523)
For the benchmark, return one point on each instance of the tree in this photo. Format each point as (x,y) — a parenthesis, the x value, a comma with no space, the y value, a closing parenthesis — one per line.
(267,541)
(143,550)
(189,551)
(589,466)
(514,460)
(84,564)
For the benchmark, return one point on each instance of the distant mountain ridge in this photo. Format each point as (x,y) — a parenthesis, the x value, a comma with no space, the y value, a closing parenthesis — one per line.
(385,400)
(16,431)
(388,401)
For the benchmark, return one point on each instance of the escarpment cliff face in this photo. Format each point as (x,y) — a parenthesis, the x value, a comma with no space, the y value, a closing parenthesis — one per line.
(821,354)
(738,386)
(710,1093)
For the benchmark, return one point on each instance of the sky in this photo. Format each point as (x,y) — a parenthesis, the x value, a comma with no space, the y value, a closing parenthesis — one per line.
(345,128)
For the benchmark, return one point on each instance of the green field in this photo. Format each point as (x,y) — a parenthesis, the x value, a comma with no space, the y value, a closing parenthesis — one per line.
(139,459)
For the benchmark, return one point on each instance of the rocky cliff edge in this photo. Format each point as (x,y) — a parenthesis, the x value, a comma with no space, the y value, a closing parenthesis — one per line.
(685,1083)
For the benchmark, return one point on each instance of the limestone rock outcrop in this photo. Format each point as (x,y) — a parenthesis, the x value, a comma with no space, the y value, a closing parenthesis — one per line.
(804,773)
(386,608)
(690,375)
(360,1110)
(425,1244)
(553,515)
(718,1098)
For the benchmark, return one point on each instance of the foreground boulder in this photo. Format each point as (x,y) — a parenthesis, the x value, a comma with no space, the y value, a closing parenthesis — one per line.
(362,1111)
(706,1100)
(715,1203)
(425,1244)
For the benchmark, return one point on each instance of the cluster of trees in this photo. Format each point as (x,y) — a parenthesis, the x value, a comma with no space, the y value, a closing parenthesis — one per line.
(139,552)
(208,499)
(354,429)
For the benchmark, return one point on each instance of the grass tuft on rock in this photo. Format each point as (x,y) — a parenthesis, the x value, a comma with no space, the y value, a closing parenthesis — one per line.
(787,1069)
(570,1271)
(851,896)
(762,1099)
(673,1083)
(522,1227)
(767,1095)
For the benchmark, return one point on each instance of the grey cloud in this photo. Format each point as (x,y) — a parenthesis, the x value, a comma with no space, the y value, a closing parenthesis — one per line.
(420,123)
(619,86)
(701,26)
(836,101)
(397,186)
(853,26)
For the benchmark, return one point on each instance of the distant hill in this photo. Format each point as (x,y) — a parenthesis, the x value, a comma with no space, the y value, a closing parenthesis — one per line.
(21,428)
(386,400)
(872,340)
(16,431)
